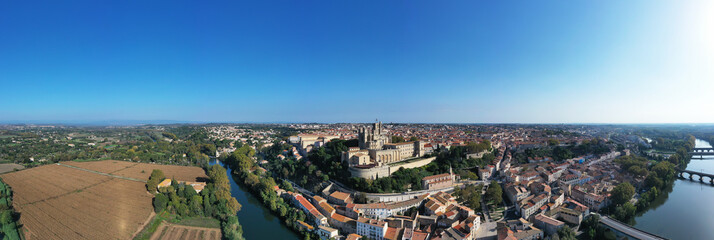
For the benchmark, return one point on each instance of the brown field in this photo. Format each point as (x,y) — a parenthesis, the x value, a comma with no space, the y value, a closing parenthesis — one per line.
(60,202)
(181,173)
(108,166)
(142,170)
(9,167)
(49,181)
(179,232)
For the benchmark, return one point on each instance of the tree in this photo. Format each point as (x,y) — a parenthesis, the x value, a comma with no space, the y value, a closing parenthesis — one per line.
(473,147)
(397,139)
(625,212)
(653,180)
(285,185)
(360,197)
(6,217)
(220,181)
(609,235)
(156,177)
(637,171)
(665,170)
(160,202)
(494,193)
(622,193)
(232,228)
(553,142)
(233,206)
(590,226)
(566,233)
(413,139)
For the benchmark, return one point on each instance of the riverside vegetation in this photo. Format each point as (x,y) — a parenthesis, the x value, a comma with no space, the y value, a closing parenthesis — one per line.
(9,227)
(181,201)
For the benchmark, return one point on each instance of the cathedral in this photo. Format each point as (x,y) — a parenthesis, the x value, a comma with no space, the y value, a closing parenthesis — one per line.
(376,148)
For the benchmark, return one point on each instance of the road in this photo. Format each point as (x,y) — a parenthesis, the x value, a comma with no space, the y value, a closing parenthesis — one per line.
(300,189)
(626,229)
(484,206)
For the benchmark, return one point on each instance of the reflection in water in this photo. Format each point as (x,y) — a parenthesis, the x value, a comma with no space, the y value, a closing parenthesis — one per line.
(686,212)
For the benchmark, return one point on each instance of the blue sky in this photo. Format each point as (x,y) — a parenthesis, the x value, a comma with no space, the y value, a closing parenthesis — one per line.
(339,61)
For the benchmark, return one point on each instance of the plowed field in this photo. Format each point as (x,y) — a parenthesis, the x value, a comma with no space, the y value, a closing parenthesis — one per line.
(141,170)
(60,202)
(179,232)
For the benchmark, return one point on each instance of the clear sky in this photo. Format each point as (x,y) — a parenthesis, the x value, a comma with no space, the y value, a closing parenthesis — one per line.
(354,61)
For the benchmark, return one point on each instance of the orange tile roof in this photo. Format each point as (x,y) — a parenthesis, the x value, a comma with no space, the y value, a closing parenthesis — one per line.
(340,195)
(353,236)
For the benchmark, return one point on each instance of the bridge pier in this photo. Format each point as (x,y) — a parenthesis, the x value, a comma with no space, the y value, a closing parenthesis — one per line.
(691,174)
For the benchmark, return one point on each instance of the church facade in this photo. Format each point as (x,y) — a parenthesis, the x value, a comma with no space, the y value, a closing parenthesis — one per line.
(376,148)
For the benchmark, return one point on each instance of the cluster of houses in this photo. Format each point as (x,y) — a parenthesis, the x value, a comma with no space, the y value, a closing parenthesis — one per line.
(548,195)
(333,214)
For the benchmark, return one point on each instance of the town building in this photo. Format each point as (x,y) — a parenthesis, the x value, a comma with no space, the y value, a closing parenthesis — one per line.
(314,214)
(439,181)
(371,228)
(376,148)
(339,198)
(547,224)
(326,232)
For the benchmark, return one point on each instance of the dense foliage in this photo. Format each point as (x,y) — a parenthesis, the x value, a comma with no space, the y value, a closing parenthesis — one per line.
(470,195)
(9,227)
(566,233)
(657,176)
(592,229)
(494,193)
(262,186)
(214,200)
(183,145)
(559,153)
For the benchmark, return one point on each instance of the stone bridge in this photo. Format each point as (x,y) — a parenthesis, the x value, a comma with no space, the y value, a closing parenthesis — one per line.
(701,152)
(691,174)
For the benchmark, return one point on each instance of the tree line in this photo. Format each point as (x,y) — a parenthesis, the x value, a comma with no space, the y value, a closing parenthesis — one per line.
(261,185)
(9,226)
(594,146)
(658,176)
(182,145)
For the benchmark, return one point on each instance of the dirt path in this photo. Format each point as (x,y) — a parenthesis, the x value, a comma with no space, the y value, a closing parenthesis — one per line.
(148,220)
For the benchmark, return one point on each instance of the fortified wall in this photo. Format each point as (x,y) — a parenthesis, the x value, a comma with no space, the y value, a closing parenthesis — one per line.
(386,170)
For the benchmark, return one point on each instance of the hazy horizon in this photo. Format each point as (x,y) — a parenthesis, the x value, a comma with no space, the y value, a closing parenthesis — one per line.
(170,122)
(609,62)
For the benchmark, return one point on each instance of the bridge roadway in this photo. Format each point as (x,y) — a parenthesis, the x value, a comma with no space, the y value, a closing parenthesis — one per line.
(627,229)
(692,173)
(702,151)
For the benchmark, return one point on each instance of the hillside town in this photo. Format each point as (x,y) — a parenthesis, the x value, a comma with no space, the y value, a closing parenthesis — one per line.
(404,181)
(542,192)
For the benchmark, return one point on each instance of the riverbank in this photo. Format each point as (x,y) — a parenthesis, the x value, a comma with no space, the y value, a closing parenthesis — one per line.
(257,220)
(682,211)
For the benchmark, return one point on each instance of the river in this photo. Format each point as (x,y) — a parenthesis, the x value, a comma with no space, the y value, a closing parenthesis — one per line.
(686,212)
(257,221)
